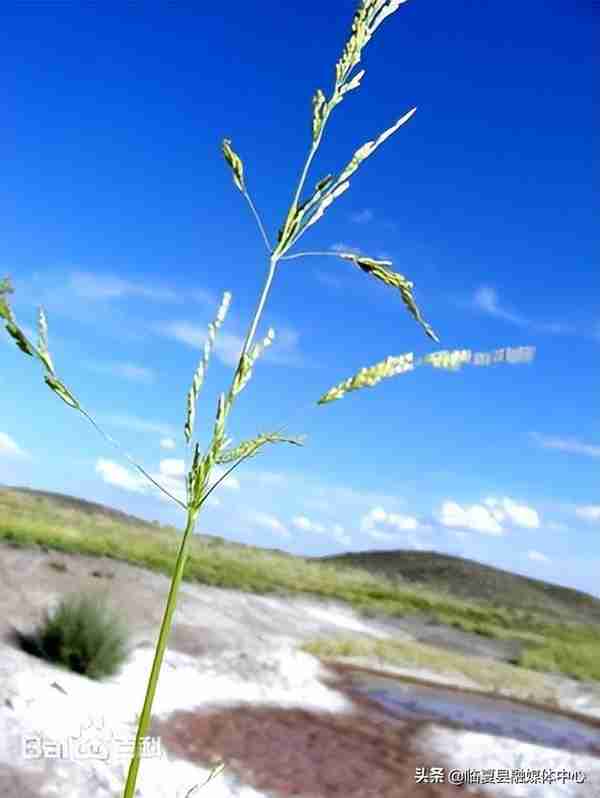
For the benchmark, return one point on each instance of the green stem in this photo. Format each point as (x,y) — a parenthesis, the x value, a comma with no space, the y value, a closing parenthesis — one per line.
(260,306)
(259,222)
(165,628)
(303,254)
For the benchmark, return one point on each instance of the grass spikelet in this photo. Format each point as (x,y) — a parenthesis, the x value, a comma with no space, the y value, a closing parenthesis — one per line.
(235,162)
(379,270)
(250,447)
(200,373)
(321,201)
(5,309)
(300,216)
(450,360)
(370,376)
(247,361)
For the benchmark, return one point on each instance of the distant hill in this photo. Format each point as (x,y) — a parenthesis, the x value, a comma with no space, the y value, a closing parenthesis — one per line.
(441,573)
(473,581)
(87,508)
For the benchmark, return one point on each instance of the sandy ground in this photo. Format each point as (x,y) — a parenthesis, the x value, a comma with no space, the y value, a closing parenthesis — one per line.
(228,649)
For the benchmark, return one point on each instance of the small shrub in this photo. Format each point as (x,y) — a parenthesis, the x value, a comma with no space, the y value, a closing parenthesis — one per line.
(83,634)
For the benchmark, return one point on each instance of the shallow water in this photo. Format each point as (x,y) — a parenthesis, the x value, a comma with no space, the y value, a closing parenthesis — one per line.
(497,716)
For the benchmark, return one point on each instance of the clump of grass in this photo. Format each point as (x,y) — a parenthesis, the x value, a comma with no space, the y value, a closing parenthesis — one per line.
(492,677)
(301,215)
(83,635)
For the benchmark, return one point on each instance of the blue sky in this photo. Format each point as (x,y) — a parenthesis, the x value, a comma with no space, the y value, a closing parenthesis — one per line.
(122,220)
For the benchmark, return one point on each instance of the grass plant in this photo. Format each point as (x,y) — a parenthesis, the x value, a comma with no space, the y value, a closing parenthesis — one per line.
(82,634)
(301,215)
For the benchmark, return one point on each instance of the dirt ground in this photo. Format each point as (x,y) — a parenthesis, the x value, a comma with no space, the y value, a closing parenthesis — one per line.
(282,751)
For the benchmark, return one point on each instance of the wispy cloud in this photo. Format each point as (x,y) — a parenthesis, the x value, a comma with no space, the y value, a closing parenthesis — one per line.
(322,497)
(126,371)
(266,521)
(268,478)
(362,217)
(570,445)
(283,351)
(93,286)
(304,524)
(135,424)
(9,447)
(167,443)
(537,556)
(590,512)
(342,247)
(485,299)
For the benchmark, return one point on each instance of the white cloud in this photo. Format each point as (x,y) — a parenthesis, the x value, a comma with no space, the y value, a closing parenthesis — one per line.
(476,518)
(104,286)
(590,512)
(269,478)
(266,521)
(167,443)
(116,474)
(185,332)
(9,447)
(570,445)
(489,516)
(537,556)
(362,217)
(323,497)
(334,531)
(128,371)
(518,514)
(486,299)
(397,522)
(135,424)
(231,482)
(304,524)
(170,476)
(340,535)
(228,346)
(172,467)
(343,247)
(377,515)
